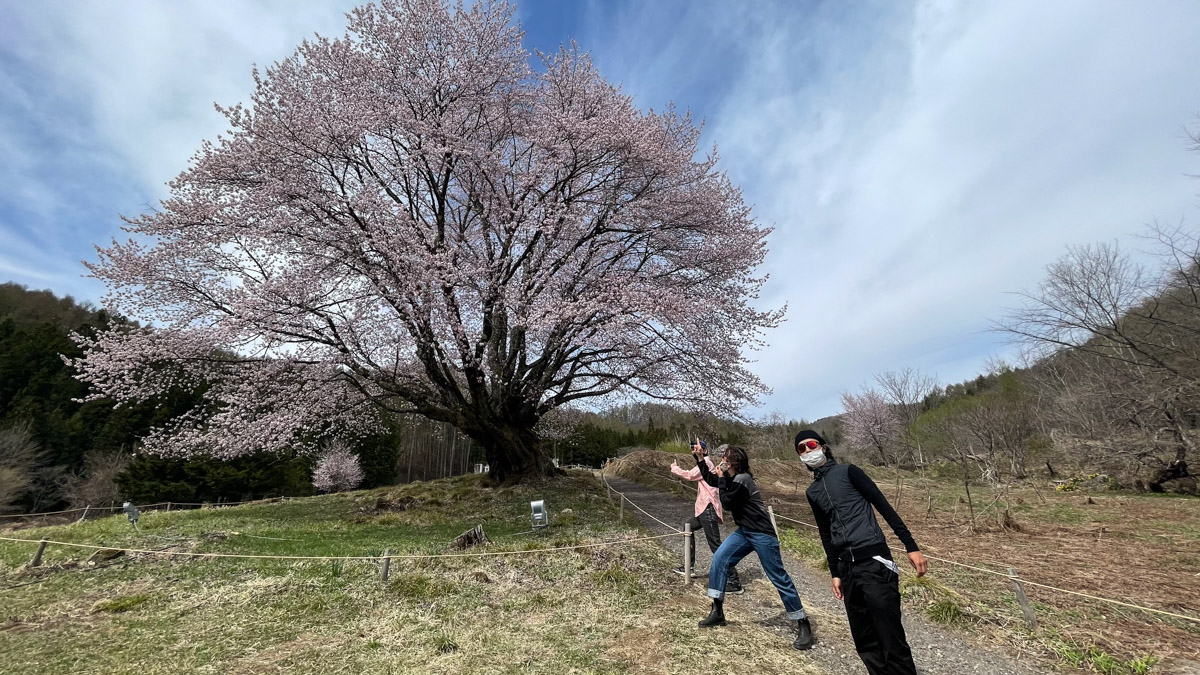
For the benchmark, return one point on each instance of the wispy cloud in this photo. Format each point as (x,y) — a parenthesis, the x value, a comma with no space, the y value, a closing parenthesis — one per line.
(918,161)
(102,103)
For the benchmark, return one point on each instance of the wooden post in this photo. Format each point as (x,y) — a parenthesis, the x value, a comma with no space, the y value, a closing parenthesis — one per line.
(85,510)
(387,564)
(37,557)
(687,553)
(621,518)
(771,512)
(1026,608)
(168,506)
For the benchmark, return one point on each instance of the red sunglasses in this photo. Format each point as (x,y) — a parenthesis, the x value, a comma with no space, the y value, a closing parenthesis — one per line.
(810,444)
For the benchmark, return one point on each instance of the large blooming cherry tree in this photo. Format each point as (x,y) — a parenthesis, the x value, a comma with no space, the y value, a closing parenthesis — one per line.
(414,217)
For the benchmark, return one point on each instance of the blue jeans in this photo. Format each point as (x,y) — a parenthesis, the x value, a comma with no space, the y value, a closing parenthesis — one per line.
(738,545)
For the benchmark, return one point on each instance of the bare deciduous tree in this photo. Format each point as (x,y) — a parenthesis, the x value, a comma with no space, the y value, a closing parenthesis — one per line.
(907,390)
(20,457)
(1132,332)
(96,484)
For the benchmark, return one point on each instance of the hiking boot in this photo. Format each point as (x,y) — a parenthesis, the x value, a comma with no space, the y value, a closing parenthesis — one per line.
(716,617)
(804,635)
(733,588)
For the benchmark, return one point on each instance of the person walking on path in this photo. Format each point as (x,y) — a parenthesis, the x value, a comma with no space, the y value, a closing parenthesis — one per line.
(708,515)
(865,577)
(741,498)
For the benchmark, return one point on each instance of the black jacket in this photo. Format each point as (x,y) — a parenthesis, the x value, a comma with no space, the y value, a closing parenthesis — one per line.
(841,497)
(740,497)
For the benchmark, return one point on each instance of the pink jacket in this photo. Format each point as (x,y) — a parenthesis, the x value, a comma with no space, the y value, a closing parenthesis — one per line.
(706,494)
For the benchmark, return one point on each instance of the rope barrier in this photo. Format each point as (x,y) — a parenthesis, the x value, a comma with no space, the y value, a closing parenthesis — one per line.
(248,556)
(965,565)
(1006,575)
(780,515)
(140,507)
(604,479)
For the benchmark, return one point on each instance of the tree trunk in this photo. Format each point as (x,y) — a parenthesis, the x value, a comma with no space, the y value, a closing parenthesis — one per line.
(514,453)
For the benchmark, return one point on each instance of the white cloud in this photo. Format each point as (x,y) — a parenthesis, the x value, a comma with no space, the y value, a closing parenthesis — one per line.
(147,73)
(921,165)
(918,161)
(102,103)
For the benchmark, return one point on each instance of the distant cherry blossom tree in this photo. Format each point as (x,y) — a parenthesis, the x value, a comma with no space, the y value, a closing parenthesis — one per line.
(412,217)
(337,469)
(870,422)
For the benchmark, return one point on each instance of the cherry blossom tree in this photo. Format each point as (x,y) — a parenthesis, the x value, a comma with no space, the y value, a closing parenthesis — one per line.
(337,469)
(412,217)
(870,422)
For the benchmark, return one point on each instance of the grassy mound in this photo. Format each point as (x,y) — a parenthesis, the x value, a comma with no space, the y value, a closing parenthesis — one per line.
(604,610)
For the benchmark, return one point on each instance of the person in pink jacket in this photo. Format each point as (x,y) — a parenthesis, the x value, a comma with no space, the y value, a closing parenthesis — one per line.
(708,516)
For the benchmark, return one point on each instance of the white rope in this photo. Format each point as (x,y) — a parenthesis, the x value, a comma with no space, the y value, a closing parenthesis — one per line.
(630,502)
(140,507)
(1026,581)
(472,554)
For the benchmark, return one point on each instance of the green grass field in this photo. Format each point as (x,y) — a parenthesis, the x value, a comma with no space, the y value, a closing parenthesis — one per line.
(604,610)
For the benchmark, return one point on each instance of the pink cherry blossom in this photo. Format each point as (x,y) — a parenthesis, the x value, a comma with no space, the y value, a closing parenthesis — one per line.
(337,469)
(412,217)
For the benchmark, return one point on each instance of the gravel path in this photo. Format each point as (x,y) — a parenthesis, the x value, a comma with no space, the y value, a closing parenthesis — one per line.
(935,650)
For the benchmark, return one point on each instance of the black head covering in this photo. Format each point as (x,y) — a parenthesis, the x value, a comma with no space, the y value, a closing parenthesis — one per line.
(807,434)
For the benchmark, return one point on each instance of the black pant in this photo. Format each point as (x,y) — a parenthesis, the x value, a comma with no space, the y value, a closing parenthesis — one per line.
(712,532)
(872,596)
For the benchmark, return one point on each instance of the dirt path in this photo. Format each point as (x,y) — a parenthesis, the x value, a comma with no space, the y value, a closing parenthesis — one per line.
(936,650)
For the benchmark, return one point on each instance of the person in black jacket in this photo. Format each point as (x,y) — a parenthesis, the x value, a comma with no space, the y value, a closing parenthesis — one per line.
(740,497)
(864,575)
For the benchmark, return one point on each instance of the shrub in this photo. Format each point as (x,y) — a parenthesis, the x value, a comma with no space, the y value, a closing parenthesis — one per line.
(337,469)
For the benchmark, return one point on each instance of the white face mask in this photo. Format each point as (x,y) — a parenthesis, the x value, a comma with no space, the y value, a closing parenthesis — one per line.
(814,458)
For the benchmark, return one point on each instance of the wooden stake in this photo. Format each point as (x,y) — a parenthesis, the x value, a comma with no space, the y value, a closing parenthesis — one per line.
(621,518)
(1023,600)
(387,564)
(37,557)
(84,516)
(687,553)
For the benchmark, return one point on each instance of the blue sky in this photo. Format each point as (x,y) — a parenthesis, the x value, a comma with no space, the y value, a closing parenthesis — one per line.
(920,161)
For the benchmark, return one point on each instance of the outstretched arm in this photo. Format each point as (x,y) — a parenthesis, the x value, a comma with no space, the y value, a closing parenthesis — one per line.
(686,474)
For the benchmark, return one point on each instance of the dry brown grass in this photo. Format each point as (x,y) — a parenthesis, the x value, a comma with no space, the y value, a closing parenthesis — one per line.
(1134,548)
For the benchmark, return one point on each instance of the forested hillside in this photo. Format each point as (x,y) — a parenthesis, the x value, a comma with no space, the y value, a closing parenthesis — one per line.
(56,451)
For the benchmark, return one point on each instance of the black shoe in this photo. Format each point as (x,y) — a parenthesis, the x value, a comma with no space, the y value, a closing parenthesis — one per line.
(804,635)
(716,617)
(733,588)
(696,574)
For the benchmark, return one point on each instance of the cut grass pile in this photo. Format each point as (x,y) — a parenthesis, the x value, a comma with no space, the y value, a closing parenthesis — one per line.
(597,610)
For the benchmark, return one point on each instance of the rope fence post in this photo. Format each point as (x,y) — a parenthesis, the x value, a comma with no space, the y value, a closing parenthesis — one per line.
(687,553)
(84,516)
(387,565)
(771,512)
(168,506)
(621,517)
(1023,600)
(37,557)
